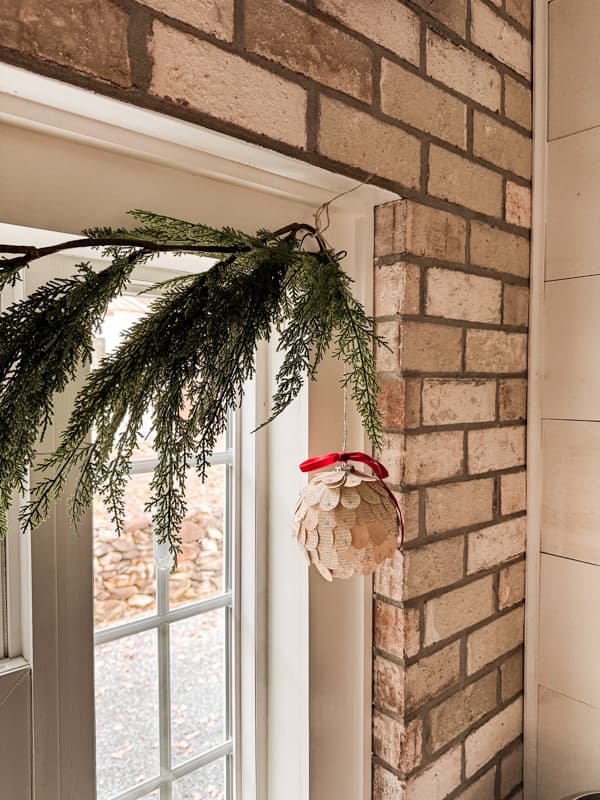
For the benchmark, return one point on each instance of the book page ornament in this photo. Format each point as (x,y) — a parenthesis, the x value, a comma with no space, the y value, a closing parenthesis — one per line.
(346,521)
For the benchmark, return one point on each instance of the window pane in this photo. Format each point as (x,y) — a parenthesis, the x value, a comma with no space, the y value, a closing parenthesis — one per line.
(124,566)
(197,684)
(199,571)
(207,783)
(127,736)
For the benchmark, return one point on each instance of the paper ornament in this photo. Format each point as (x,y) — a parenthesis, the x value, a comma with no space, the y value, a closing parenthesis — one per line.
(346,522)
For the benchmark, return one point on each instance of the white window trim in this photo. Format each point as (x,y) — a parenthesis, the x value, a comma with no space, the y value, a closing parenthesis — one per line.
(329,744)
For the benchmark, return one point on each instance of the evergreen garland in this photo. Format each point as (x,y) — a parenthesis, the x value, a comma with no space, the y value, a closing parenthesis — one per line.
(188,359)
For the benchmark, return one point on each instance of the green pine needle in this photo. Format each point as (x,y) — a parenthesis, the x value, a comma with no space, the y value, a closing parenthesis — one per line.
(188,360)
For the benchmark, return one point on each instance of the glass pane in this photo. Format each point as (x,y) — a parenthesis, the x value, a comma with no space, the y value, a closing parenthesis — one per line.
(127,736)
(124,566)
(199,571)
(197,684)
(207,783)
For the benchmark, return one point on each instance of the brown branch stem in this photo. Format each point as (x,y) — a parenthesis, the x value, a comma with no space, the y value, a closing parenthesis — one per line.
(29,253)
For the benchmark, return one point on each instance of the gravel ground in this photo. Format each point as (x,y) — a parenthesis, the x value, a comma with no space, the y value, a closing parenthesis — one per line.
(127,738)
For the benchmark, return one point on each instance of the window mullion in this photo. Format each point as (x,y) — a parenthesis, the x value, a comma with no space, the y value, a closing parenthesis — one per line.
(164,682)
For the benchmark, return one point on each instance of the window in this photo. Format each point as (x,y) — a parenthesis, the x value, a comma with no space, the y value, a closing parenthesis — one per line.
(164,641)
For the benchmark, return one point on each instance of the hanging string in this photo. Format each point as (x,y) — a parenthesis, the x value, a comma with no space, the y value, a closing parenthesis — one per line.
(324,207)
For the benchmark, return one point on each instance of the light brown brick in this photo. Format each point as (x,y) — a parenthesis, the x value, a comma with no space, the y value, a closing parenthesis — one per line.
(451,402)
(419,103)
(211,16)
(438,780)
(457,295)
(389,578)
(396,629)
(517,102)
(495,249)
(316,49)
(398,745)
(500,39)
(407,227)
(490,642)
(89,36)
(511,585)
(432,675)
(387,359)
(483,744)
(511,676)
(452,13)
(388,685)
(433,566)
(427,347)
(496,351)
(460,181)
(513,492)
(511,771)
(400,403)
(515,308)
(455,715)
(433,457)
(392,454)
(388,23)
(498,543)
(483,788)
(501,145)
(458,505)
(386,785)
(409,507)
(513,399)
(397,289)
(518,205)
(521,10)
(463,71)
(194,73)
(496,448)
(356,138)
(458,609)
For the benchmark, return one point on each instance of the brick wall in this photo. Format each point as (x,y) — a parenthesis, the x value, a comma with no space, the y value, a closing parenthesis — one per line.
(432,97)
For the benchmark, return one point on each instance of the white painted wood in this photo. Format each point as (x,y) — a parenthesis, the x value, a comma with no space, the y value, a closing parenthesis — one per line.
(573,101)
(534,400)
(573,245)
(570,628)
(72,149)
(571,335)
(569,761)
(15,733)
(571,503)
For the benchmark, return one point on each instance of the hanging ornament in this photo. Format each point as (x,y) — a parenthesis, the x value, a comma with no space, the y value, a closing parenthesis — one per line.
(346,521)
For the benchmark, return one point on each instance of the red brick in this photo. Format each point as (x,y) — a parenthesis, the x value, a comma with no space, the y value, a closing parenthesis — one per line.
(397,288)
(511,585)
(483,744)
(457,714)
(452,13)
(515,310)
(458,609)
(512,394)
(433,566)
(494,640)
(501,145)
(518,204)
(500,39)
(452,402)
(398,745)
(438,779)
(458,505)
(388,685)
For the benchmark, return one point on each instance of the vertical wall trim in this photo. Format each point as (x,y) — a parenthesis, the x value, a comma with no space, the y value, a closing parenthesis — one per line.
(534,411)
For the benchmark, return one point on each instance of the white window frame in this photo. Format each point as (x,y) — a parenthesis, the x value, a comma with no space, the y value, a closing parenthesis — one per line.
(305,693)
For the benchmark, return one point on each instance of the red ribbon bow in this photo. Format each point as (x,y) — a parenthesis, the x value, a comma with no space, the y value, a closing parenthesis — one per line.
(378,469)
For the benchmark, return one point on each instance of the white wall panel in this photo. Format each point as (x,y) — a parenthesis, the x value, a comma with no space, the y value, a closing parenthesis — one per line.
(573,210)
(574,100)
(569,746)
(570,630)
(571,349)
(571,483)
